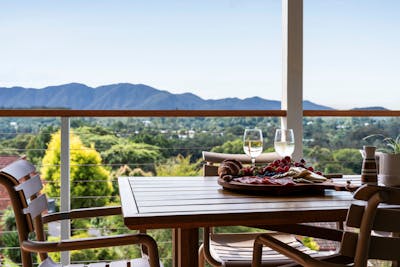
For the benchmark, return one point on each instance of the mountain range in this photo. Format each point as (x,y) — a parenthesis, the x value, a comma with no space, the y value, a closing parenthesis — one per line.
(127,96)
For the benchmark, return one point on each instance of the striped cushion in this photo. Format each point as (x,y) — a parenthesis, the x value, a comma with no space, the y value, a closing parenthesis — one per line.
(239,248)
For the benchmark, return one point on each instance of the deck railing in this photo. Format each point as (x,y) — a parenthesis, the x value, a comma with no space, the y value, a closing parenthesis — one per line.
(66,115)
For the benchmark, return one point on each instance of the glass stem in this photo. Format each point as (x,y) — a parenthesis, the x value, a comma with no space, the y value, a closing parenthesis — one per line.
(253,162)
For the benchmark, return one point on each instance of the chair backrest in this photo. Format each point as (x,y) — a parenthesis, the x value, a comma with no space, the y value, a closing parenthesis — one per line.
(375,210)
(23,185)
(212,158)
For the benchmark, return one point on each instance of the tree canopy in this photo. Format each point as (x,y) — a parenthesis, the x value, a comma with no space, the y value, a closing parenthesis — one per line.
(88,176)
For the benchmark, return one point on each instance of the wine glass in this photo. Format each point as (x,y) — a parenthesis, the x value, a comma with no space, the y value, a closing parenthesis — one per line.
(253,144)
(284,142)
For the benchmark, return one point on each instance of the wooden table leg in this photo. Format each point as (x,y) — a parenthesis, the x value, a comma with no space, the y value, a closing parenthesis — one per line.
(175,249)
(186,245)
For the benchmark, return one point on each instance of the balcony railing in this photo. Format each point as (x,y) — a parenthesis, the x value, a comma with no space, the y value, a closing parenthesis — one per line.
(66,115)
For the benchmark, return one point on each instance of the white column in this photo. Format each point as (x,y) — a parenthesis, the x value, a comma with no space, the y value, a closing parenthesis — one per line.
(292,93)
(65,185)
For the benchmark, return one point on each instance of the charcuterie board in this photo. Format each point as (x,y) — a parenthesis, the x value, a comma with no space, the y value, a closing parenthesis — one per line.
(289,189)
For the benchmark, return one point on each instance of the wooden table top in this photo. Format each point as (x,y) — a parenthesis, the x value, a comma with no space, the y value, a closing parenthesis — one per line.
(189,202)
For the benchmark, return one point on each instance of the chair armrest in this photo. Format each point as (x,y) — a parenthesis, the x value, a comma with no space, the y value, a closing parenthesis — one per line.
(205,247)
(82,213)
(292,253)
(87,243)
(306,230)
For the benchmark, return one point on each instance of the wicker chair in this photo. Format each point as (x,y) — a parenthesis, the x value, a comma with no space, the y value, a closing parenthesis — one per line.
(356,246)
(24,185)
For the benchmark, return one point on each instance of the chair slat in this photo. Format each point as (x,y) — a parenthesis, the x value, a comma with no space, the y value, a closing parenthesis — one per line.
(19,169)
(349,243)
(354,215)
(385,219)
(384,248)
(210,170)
(37,206)
(30,187)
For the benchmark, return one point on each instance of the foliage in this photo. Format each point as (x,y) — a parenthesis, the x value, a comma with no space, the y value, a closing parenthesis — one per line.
(11,244)
(237,229)
(100,138)
(392,143)
(232,147)
(127,171)
(139,146)
(310,243)
(109,225)
(8,263)
(7,222)
(179,166)
(88,177)
(15,146)
(9,239)
(133,154)
(163,238)
(154,138)
(346,160)
(102,254)
(350,159)
(38,144)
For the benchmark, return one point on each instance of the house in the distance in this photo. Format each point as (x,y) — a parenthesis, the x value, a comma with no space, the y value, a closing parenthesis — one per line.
(4,199)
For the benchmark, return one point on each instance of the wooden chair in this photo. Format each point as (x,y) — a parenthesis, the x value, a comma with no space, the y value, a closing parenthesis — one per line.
(236,249)
(376,212)
(24,185)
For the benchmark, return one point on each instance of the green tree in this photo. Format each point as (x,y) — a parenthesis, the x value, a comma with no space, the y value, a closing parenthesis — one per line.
(88,177)
(350,159)
(233,147)
(38,144)
(178,166)
(16,145)
(97,136)
(136,155)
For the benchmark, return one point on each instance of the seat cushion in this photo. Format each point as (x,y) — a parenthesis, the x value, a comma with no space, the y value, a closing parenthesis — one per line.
(237,249)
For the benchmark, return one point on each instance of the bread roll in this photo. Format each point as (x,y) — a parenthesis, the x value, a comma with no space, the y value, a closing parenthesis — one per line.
(229,167)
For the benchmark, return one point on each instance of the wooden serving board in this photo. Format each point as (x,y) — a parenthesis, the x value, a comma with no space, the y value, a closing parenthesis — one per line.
(297,189)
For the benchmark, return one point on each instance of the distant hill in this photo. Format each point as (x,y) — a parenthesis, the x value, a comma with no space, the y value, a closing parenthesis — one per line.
(371,108)
(127,96)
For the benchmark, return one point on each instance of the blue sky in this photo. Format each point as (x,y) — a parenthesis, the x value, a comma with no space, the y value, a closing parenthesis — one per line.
(213,48)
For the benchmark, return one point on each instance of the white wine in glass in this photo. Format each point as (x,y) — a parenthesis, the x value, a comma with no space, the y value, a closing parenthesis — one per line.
(284,142)
(253,144)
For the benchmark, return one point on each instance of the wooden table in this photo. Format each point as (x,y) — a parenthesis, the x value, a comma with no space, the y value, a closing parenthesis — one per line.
(187,203)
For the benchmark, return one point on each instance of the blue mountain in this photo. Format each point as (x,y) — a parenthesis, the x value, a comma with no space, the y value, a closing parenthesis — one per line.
(127,96)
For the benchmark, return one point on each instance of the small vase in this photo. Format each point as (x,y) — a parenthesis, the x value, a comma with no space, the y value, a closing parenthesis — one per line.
(368,170)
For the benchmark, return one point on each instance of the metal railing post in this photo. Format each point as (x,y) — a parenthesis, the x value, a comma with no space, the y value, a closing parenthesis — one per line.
(65,184)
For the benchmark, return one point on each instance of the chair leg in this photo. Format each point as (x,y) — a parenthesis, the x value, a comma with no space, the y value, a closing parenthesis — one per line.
(201,256)
(257,254)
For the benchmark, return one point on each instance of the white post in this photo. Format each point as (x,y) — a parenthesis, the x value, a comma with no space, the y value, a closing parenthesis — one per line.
(65,185)
(292,93)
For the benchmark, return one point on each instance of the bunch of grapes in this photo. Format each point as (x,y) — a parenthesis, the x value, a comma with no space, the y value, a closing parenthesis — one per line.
(276,167)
